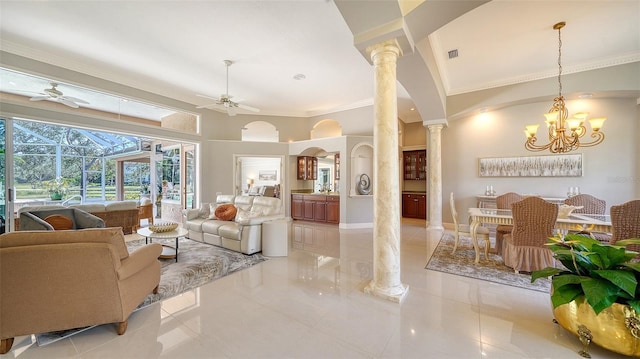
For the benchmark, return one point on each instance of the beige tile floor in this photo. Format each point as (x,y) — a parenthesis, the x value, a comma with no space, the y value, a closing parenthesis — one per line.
(311,305)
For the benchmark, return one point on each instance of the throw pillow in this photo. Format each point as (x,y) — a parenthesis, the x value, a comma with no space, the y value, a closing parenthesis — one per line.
(226,212)
(212,211)
(244,215)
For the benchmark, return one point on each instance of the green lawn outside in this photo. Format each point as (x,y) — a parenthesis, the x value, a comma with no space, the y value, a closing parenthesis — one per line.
(24,191)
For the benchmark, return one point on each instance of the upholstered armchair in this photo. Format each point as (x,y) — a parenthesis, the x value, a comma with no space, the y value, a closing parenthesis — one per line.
(46,219)
(461,229)
(58,280)
(625,220)
(590,205)
(504,201)
(533,222)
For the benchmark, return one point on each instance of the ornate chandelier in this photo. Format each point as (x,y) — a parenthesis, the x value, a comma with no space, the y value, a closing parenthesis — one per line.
(564,134)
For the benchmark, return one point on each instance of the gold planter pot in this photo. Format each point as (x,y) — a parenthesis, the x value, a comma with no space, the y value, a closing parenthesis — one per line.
(616,328)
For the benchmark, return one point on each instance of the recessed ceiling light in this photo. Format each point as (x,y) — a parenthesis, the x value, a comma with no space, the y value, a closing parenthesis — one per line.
(586,95)
(299,77)
(412,109)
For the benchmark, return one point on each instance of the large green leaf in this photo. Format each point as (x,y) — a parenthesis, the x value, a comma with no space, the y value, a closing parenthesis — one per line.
(611,256)
(584,261)
(565,294)
(565,279)
(544,273)
(599,293)
(622,279)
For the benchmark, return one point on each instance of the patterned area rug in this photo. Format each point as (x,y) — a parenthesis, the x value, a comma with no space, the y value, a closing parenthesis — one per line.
(462,263)
(198,264)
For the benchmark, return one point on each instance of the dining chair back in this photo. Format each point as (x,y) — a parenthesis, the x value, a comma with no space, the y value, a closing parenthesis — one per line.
(533,223)
(465,229)
(625,220)
(589,203)
(504,201)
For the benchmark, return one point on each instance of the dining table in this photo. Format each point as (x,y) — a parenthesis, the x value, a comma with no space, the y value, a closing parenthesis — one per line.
(572,222)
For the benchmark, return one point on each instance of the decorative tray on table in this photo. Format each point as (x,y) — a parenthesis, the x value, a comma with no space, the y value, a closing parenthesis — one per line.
(163,227)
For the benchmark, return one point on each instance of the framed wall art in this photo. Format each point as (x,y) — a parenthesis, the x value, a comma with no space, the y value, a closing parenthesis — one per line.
(531,166)
(268,175)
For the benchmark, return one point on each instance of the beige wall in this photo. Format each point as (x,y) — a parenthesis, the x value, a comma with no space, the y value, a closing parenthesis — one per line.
(414,134)
(610,169)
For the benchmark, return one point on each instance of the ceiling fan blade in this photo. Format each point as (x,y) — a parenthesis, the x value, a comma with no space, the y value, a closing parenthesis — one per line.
(209,105)
(64,101)
(39,98)
(209,97)
(248,108)
(74,99)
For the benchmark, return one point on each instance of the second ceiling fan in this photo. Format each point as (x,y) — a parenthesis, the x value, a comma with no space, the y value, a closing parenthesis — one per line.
(225,99)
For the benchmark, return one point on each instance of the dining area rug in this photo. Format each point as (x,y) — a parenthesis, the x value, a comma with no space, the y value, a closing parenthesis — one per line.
(462,263)
(198,264)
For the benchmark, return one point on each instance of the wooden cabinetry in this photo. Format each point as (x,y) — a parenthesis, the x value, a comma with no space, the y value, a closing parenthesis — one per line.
(415,165)
(307,168)
(414,205)
(297,206)
(333,209)
(315,208)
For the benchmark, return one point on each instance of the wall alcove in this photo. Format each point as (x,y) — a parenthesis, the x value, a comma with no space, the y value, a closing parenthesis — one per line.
(361,163)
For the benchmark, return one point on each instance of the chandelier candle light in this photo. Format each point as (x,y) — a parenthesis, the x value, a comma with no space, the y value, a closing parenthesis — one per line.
(564,134)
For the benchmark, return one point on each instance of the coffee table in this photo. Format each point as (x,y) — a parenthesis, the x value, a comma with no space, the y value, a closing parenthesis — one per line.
(167,251)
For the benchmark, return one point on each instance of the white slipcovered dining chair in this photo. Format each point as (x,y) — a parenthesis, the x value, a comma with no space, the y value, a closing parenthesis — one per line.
(465,230)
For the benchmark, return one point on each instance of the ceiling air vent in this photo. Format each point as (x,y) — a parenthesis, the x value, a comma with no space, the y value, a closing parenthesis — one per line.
(453,53)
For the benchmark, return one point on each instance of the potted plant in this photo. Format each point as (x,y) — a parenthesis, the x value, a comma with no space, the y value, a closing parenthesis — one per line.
(57,188)
(596,296)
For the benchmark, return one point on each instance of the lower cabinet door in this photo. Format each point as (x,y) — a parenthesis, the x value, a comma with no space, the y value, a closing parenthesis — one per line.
(320,211)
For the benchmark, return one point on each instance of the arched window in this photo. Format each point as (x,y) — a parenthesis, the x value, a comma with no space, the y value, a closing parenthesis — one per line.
(326,128)
(260,131)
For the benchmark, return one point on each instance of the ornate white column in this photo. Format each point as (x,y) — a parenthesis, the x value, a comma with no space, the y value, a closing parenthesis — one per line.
(435,177)
(386,183)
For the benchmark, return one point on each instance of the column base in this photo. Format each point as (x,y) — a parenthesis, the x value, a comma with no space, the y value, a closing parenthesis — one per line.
(395,295)
(435,227)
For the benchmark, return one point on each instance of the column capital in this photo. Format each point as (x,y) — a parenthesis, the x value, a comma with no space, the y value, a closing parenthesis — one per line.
(395,30)
(388,46)
(441,122)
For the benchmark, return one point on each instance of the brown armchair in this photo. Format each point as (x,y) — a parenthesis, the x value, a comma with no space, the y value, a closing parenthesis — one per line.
(504,201)
(625,219)
(533,223)
(58,280)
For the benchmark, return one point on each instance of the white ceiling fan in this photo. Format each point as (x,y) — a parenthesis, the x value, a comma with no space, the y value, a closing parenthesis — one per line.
(225,99)
(55,95)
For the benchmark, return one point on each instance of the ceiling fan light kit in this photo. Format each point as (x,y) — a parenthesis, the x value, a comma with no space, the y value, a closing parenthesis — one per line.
(225,99)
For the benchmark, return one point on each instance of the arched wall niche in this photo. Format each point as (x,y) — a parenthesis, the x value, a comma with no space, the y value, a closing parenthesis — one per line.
(260,131)
(361,163)
(326,128)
